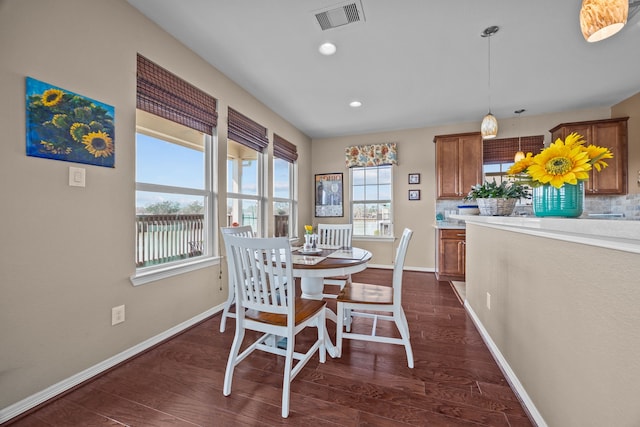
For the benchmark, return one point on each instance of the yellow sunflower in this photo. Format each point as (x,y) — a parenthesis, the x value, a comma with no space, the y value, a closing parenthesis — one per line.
(52,97)
(597,155)
(308,229)
(521,165)
(98,143)
(561,163)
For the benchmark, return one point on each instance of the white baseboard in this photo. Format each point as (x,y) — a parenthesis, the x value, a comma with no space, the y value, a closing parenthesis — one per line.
(42,396)
(512,379)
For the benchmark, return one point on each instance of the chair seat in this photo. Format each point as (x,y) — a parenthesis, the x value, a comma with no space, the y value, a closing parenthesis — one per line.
(305,308)
(366,293)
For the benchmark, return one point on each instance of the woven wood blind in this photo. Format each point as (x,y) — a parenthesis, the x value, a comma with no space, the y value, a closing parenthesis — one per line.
(284,150)
(502,150)
(246,132)
(166,95)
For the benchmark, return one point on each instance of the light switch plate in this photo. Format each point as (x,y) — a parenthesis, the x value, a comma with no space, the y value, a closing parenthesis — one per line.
(77,177)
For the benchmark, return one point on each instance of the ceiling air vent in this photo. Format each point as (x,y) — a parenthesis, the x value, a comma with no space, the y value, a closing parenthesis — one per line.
(347,13)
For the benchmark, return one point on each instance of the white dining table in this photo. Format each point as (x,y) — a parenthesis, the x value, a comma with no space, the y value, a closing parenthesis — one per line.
(313,268)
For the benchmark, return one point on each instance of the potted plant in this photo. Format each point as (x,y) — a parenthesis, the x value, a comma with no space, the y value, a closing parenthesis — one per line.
(497,199)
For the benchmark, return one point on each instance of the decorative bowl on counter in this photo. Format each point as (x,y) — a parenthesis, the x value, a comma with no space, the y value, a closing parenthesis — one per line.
(468,210)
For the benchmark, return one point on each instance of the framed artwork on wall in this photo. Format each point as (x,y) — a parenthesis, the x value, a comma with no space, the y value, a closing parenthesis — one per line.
(63,125)
(414,178)
(328,195)
(414,194)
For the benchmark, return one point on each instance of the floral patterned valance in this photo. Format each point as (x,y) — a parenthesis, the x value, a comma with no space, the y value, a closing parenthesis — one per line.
(371,155)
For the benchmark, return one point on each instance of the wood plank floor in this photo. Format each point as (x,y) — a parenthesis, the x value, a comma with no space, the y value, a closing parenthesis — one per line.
(455,381)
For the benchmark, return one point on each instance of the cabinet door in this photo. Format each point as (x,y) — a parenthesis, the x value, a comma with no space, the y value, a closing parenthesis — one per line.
(613,178)
(470,163)
(451,254)
(447,164)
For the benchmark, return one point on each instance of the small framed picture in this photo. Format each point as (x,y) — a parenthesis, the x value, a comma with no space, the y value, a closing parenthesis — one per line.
(414,178)
(414,194)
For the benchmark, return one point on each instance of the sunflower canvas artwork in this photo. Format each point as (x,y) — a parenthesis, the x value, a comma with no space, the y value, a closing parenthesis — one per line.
(63,125)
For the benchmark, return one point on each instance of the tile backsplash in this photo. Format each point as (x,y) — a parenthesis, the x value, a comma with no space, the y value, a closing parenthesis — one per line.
(628,206)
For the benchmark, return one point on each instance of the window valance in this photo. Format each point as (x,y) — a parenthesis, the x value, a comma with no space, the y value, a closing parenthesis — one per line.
(166,95)
(371,155)
(283,149)
(245,131)
(502,150)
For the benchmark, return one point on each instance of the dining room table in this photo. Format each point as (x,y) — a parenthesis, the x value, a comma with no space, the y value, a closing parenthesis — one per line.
(313,266)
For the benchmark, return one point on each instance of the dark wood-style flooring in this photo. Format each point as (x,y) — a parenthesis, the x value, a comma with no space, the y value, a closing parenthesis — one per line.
(455,381)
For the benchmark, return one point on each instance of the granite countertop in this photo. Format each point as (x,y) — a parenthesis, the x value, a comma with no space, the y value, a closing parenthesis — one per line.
(450,224)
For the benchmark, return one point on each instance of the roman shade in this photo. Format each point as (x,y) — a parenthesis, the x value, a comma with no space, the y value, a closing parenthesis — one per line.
(245,131)
(164,94)
(502,150)
(283,149)
(371,155)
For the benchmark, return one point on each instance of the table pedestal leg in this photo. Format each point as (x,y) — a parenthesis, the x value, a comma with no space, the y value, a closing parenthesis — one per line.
(312,288)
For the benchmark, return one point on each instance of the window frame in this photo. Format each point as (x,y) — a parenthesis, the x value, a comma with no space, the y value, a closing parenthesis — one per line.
(353,203)
(292,200)
(147,274)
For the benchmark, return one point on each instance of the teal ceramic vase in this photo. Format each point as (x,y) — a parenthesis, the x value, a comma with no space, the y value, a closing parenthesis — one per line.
(566,201)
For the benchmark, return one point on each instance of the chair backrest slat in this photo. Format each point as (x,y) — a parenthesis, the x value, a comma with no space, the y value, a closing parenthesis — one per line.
(258,266)
(398,265)
(335,234)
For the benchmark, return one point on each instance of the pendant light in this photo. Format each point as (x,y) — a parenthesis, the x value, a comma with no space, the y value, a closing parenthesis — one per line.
(600,19)
(520,154)
(489,126)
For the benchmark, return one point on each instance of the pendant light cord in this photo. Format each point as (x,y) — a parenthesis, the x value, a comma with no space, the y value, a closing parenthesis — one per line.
(489,74)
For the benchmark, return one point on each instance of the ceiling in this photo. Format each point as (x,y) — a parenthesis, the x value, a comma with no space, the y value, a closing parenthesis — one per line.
(412,63)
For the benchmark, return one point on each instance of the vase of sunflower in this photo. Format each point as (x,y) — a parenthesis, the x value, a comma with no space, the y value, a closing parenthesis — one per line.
(557,175)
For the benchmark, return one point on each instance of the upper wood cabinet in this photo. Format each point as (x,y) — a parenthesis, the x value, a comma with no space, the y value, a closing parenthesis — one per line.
(458,164)
(610,133)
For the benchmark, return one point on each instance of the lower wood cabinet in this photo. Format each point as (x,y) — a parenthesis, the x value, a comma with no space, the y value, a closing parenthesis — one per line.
(451,254)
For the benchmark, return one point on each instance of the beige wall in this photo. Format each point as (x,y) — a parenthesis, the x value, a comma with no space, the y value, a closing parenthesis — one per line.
(565,317)
(66,253)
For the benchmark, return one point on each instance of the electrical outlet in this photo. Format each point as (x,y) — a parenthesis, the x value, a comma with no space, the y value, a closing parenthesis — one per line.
(117,315)
(488,301)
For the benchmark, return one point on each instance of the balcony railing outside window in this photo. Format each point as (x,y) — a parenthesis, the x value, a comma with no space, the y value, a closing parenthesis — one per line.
(165,238)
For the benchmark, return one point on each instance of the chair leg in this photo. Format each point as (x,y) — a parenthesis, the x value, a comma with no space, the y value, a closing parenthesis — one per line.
(231,363)
(339,325)
(403,328)
(225,311)
(286,383)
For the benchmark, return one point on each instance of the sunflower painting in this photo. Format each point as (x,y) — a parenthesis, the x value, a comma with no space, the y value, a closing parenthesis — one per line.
(62,125)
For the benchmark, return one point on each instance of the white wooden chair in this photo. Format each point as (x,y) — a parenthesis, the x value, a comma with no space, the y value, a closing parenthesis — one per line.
(261,305)
(337,235)
(245,231)
(367,300)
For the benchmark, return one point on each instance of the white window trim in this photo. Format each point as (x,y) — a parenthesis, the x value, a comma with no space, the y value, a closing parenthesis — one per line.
(391,210)
(293,200)
(154,273)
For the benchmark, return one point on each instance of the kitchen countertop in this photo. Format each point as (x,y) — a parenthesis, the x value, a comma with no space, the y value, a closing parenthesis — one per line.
(612,234)
(448,224)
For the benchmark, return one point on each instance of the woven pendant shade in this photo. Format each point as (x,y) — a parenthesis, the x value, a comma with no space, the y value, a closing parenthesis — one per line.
(600,19)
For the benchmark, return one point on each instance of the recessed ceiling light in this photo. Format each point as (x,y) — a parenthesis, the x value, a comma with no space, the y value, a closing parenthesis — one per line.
(327,48)
(355,104)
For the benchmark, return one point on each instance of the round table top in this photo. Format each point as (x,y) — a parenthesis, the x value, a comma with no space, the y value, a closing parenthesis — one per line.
(343,259)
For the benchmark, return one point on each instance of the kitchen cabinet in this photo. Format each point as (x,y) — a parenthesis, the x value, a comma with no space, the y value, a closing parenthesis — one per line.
(610,133)
(458,164)
(450,264)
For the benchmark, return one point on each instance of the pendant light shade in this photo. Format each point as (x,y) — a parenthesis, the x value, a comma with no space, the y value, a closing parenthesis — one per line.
(489,126)
(519,154)
(600,19)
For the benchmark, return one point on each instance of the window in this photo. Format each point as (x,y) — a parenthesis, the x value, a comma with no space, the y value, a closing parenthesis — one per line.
(173,193)
(175,204)
(246,143)
(244,184)
(285,204)
(371,201)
